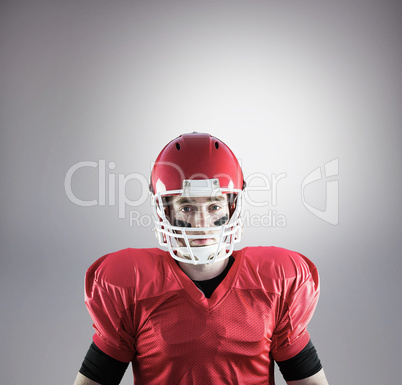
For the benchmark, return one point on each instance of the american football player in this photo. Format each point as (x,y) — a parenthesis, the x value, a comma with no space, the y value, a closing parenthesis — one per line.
(198,311)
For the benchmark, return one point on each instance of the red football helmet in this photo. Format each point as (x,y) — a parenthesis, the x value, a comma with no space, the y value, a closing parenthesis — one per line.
(197,165)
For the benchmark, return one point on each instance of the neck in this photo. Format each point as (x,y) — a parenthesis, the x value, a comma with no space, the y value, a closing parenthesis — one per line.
(205,271)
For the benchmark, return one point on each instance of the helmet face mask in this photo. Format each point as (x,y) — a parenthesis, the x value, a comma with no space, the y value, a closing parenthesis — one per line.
(207,185)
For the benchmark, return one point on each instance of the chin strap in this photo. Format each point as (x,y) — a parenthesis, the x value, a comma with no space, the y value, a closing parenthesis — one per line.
(202,255)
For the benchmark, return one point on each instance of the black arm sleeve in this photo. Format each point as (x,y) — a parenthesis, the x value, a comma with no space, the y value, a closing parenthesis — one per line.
(302,365)
(100,367)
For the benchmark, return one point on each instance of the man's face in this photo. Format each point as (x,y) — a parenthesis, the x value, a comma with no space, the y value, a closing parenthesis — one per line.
(199,212)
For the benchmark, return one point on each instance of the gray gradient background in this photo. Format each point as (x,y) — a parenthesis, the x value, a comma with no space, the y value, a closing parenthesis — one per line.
(288,85)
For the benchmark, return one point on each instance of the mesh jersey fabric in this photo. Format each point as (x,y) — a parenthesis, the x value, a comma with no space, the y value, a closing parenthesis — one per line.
(147,311)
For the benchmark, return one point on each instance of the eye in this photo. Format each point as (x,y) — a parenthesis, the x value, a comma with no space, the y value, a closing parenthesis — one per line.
(215,207)
(186,209)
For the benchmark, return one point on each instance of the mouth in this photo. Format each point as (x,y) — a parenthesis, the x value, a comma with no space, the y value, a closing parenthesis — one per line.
(203,241)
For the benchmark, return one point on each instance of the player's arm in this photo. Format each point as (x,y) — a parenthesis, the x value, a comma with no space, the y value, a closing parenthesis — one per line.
(100,368)
(113,343)
(82,380)
(305,367)
(316,379)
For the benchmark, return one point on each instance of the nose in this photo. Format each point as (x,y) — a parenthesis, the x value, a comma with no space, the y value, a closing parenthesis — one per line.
(201,219)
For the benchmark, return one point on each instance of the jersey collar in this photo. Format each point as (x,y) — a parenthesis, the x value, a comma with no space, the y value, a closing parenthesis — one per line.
(219,293)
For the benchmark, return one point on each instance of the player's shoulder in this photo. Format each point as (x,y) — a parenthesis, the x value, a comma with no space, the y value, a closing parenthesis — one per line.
(277,263)
(128,268)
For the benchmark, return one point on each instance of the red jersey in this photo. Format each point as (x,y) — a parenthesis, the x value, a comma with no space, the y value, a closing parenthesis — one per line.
(146,310)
